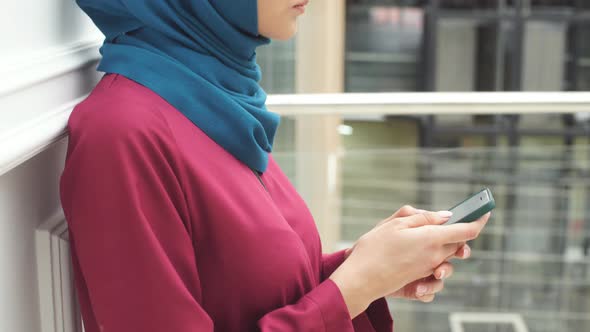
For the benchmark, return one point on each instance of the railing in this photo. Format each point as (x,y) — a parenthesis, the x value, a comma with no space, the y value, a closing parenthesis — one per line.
(431,103)
(19,144)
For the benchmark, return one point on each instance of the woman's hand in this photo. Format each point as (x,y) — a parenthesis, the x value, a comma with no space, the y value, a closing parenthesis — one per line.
(399,251)
(423,289)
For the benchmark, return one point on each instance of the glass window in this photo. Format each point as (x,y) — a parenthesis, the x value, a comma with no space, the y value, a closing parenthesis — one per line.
(383,44)
(277,62)
(466,45)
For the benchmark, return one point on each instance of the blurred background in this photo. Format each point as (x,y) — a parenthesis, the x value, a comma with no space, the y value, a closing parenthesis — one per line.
(383,103)
(533,259)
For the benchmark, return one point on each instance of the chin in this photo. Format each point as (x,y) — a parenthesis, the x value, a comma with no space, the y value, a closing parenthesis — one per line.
(285,33)
(286,36)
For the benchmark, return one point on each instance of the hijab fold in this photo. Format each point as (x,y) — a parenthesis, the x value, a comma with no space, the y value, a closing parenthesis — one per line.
(200,56)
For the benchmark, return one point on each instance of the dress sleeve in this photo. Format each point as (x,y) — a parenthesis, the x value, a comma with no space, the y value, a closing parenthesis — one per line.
(128,229)
(321,310)
(324,309)
(330,262)
(377,313)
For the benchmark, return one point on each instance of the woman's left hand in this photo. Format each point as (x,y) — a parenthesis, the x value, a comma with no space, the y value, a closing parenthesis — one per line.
(425,289)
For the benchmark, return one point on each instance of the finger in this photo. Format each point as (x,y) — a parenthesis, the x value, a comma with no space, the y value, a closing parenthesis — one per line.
(426,298)
(449,250)
(404,211)
(463,252)
(485,217)
(461,232)
(428,287)
(443,271)
(427,218)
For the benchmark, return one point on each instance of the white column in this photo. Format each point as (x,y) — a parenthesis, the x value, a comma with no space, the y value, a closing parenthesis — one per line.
(320,69)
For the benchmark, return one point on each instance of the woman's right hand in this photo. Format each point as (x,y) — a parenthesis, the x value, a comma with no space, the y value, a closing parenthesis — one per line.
(398,252)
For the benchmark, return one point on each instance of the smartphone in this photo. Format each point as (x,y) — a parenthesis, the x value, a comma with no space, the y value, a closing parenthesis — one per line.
(473,207)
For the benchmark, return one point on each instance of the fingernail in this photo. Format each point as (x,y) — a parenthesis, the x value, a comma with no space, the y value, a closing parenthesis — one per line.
(445,214)
(466,252)
(442,275)
(421,290)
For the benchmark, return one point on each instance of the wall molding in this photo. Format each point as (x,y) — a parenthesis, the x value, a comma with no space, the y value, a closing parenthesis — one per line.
(37,95)
(26,141)
(43,65)
(59,309)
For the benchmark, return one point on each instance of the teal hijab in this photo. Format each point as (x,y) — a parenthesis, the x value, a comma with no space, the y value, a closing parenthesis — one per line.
(199,56)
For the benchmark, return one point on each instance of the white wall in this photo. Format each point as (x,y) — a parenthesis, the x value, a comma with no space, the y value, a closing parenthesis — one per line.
(47,58)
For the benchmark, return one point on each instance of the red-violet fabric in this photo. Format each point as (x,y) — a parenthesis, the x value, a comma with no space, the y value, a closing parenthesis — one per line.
(170,232)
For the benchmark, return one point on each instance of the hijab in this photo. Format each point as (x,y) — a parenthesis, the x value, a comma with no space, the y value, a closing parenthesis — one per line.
(199,56)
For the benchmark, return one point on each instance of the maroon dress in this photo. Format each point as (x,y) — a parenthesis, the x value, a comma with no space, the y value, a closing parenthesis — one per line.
(170,232)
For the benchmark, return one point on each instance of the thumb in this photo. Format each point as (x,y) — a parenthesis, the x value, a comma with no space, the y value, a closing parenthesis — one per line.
(426,218)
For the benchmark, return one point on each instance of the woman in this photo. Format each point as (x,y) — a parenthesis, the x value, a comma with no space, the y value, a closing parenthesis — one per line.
(179,217)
